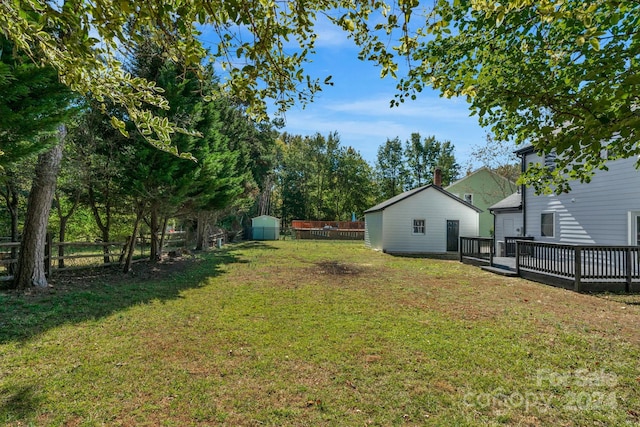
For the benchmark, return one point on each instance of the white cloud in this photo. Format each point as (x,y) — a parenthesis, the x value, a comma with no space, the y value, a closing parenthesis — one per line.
(426,108)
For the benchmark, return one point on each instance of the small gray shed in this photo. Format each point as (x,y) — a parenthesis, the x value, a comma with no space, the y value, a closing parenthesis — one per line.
(265,227)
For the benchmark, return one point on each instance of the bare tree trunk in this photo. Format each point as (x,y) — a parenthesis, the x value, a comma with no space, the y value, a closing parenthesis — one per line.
(30,270)
(62,232)
(163,235)
(154,255)
(201,231)
(104,226)
(132,240)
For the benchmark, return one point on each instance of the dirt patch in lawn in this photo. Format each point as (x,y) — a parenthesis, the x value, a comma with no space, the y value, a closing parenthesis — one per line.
(337,268)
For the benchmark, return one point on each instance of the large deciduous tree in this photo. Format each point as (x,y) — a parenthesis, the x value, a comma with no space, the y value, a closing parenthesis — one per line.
(561,75)
(391,171)
(262,44)
(422,157)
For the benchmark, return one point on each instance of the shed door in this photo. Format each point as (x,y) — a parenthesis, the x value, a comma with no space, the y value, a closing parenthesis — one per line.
(453,233)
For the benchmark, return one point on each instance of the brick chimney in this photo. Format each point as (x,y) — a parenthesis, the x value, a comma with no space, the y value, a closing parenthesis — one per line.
(437,177)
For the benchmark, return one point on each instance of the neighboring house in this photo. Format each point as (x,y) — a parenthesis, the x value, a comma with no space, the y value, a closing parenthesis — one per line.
(605,211)
(427,219)
(483,188)
(265,227)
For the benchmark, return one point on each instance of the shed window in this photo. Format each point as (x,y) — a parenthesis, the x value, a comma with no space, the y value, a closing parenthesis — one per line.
(468,198)
(547,224)
(418,226)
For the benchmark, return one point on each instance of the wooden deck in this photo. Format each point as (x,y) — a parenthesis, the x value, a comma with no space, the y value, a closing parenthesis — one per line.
(581,268)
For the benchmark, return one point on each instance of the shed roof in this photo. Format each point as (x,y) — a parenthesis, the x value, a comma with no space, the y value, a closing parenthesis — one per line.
(513,201)
(407,194)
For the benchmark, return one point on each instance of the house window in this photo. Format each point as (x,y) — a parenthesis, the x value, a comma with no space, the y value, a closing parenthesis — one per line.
(634,228)
(547,224)
(418,226)
(468,198)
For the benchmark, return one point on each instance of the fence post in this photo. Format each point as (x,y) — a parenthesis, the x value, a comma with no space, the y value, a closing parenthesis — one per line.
(460,249)
(578,269)
(627,285)
(47,254)
(517,255)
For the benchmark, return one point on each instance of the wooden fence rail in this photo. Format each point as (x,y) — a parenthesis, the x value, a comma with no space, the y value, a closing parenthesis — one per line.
(78,255)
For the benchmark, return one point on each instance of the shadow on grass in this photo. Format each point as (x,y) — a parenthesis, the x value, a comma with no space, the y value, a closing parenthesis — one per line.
(19,401)
(93,294)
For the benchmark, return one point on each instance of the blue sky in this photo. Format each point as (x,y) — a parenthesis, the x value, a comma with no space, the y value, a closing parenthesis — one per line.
(357,105)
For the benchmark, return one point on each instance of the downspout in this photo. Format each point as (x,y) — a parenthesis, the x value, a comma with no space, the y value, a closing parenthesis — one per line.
(523,169)
(495,242)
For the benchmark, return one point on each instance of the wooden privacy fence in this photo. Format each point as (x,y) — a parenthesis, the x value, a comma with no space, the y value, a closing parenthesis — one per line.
(580,267)
(328,230)
(341,225)
(329,234)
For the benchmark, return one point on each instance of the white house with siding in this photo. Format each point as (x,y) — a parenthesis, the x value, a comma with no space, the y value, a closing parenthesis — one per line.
(427,219)
(507,220)
(605,211)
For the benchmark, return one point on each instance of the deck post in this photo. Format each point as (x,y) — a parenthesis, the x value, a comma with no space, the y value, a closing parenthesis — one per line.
(578,268)
(517,257)
(627,285)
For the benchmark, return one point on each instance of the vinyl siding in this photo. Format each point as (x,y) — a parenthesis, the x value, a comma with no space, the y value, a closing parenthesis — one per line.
(511,218)
(592,213)
(373,230)
(435,208)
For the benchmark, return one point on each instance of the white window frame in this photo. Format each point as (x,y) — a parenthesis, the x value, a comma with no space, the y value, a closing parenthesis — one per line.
(416,226)
(468,197)
(553,224)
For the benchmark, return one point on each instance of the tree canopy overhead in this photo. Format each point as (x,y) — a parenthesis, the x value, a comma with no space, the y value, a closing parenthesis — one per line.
(559,74)
(263,44)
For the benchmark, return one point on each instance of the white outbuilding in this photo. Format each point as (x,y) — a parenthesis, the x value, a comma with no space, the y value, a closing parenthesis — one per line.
(426,219)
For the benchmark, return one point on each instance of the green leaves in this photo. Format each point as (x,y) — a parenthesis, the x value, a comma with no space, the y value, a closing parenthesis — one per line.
(555,74)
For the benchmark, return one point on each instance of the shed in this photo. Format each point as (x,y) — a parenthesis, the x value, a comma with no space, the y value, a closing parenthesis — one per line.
(426,219)
(265,227)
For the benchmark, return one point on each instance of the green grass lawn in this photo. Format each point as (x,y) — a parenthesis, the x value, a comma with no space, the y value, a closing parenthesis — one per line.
(308,333)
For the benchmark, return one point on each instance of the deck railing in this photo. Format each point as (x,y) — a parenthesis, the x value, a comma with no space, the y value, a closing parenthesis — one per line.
(476,250)
(578,265)
(510,245)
